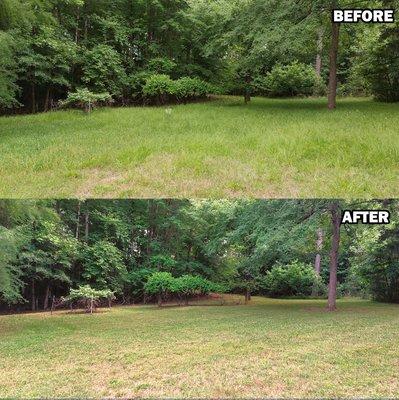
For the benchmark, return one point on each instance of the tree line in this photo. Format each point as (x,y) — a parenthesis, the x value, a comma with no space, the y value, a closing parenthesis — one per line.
(131,51)
(155,250)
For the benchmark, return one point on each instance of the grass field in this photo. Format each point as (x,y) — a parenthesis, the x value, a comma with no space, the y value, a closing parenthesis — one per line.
(271,348)
(270,148)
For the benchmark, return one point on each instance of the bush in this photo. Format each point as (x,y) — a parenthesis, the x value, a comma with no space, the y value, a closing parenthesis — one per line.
(89,297)
(191,88)
(136,83)
(160,284)
(159,88)
(86,100)
(288,81)
(295,279)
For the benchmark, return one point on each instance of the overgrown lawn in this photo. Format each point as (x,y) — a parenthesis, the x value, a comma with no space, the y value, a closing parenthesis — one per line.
(222,148)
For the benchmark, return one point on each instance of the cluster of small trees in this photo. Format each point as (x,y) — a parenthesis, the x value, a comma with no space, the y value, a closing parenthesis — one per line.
(163,285)
(155,89)
(52,48)
(88,298)
(48,247)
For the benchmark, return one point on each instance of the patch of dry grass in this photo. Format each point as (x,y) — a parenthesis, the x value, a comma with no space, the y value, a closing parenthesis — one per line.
(270,348)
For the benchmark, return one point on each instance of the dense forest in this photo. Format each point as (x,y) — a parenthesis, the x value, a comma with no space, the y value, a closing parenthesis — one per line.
(144,250)
(68,52)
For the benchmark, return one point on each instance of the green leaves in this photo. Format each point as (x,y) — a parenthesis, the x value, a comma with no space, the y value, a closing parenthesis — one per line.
(86,100)
(294,279)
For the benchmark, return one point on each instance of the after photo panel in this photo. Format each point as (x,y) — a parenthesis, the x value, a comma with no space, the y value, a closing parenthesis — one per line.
(166,298)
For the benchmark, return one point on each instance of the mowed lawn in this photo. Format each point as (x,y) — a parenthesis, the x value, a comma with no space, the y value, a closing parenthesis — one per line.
(222,148)
(271,348)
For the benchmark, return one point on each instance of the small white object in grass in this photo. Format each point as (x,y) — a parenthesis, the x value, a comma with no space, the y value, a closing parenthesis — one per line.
(168,111)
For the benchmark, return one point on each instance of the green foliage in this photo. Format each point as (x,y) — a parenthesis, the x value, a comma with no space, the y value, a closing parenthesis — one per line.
(8,73)
(381,67)
(103,70)
(294,279)
(160,284)
(86,292)
(160,88)
(161,66)
(288,80)
(103,266)
(191,88)
(88,297)
(86,100)
(189,285)
(10,282)
(375,264)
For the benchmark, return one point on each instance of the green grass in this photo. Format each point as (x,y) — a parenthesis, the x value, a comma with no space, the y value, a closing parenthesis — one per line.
(271,348)
(270,148)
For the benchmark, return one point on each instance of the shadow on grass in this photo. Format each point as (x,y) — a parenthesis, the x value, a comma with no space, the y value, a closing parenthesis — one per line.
(305,104)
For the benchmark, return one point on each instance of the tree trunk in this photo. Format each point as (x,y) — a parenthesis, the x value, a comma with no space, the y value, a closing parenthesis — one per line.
(87,226)
(332,84)
(159,300)
(78,221)
(46,296)
(33,295)
(319,247)
(247,96)
(317,262)
(332,287)
(320,34)
(77,28)
(47,100)
(247,295)
(91,305)
(33,98)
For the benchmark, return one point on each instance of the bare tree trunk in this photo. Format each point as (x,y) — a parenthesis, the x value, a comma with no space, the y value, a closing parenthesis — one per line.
(91,305)
(33,295)
(46,296)
(247,97)
(332,287)
(33,98)
(317,262)
(320,35)
(78,220)
(332,84)
(319,247)
(247,295)
(47,100)
(77,27)
(159,300)
(87,226)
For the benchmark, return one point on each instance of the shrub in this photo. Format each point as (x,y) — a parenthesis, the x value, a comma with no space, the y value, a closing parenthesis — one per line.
(160,284)
(86,100)
(89,297)
(136,83)
(288,81)
(295,279)
(159,88)
(191,88)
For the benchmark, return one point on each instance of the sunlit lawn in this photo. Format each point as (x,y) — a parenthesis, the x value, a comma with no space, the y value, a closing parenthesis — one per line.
(270,148)
(271,348)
